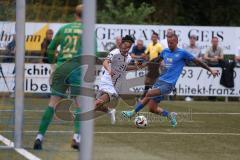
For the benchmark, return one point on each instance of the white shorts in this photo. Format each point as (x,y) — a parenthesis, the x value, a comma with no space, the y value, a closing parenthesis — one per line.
(109,89)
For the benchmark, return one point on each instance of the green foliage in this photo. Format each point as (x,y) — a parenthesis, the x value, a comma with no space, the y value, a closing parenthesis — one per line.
(40,10)
(50,11)
(7,11)
(122,12)
(173,12)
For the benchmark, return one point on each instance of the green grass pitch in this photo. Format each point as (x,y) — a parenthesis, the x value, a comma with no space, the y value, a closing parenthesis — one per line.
(206,130)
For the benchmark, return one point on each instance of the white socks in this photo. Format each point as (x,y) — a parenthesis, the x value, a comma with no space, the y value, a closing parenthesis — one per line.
(39,136)
(77,137)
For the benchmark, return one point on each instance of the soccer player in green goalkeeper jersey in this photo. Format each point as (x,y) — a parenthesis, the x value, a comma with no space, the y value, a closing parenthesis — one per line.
(69,40)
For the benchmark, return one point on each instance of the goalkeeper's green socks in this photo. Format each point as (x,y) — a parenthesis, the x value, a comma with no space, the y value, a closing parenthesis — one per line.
(76,135)
(46,120)
(77,121)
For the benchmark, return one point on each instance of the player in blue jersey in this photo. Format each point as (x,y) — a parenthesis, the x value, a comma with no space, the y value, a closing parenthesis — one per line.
(174,59)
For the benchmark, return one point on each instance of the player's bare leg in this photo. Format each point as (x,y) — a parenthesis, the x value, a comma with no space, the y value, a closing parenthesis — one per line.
(151,93)
(154,108)
(101,105)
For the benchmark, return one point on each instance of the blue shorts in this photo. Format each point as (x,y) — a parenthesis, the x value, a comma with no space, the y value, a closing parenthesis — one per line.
(164,87)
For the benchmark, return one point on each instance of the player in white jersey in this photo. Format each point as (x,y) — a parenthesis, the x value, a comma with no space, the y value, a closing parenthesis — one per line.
(112,75)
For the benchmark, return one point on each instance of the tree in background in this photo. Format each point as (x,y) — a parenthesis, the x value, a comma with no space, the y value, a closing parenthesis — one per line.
(195,12)
(167,12)
(7,10)
(122,11)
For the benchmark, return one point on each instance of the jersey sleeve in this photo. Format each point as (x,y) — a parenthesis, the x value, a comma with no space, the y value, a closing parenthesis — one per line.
(110,55)
(188,56)
(53,46)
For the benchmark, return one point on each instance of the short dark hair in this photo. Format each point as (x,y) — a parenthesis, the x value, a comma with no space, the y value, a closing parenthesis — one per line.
(170,30)
(155,33)
(49,31)
(175,36)
(128,38)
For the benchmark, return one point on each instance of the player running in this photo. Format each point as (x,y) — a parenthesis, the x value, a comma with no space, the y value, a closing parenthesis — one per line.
(174,59)
(113,72)
(69,40)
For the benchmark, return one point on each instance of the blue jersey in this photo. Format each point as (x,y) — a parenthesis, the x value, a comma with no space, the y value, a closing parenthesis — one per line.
(174,63)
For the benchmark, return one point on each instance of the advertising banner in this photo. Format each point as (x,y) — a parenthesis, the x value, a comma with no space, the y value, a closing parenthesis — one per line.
(229,37)
(193,81)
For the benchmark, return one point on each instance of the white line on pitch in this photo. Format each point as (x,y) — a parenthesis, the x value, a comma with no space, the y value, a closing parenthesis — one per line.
(196,113)
(173,133)
(21,151)
(159,133)
(26,110)
(208,113)
(205,113)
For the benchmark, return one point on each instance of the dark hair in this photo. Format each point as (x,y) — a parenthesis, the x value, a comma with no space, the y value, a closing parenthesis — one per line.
(155,33)
(128,38)
(49,31)
(175,36)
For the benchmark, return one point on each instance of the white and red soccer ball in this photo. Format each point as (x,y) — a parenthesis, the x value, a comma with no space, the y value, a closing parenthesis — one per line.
(140,121)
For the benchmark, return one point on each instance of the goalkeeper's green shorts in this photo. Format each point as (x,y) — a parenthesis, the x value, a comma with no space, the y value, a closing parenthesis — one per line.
(66,78)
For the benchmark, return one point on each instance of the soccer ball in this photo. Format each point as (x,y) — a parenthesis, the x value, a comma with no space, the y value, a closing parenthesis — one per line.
(140,121)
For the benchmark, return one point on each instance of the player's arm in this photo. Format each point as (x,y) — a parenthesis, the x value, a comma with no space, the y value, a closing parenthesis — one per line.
(53,46)
(189,57)
(200,56)
(107,61)
(205,66)
(107,66)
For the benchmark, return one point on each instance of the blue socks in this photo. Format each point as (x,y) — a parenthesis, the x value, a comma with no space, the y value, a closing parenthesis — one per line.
(138,107)
(165,113)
